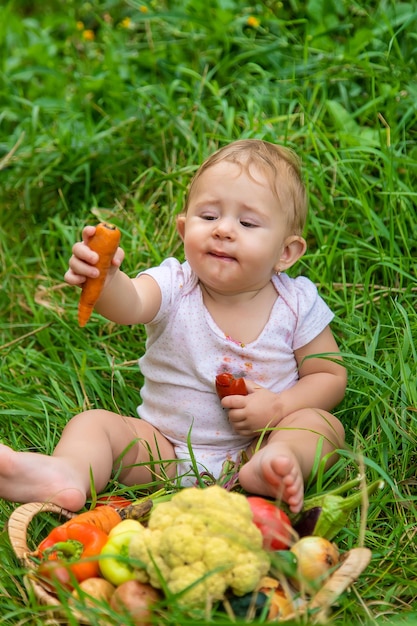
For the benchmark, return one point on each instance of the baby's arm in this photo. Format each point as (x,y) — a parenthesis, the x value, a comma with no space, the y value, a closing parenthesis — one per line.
(323,380)
(123,300)
(321,385)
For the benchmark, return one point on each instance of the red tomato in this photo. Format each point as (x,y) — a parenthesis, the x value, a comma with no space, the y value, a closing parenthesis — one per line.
(273,523)
(56,573)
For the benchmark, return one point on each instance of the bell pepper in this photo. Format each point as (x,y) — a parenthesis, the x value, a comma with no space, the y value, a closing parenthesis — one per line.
(228,385)
(115,565)
(72,548)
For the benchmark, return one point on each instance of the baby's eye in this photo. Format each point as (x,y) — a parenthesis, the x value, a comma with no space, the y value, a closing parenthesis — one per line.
(247,224)
(207,216)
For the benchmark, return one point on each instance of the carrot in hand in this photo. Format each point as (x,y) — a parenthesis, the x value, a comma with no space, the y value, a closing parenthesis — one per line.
(228,385)
(105,242)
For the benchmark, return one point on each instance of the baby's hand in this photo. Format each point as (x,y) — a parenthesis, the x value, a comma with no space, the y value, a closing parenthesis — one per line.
(83,260)
(250,414)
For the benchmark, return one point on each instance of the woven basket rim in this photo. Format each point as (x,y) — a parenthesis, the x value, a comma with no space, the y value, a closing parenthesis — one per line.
(17,527)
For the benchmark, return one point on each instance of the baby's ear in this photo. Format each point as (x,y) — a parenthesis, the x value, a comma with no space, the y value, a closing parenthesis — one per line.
(293,249)
(181,225)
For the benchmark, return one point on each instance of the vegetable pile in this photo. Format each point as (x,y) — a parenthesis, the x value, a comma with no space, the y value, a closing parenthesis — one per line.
(203,547)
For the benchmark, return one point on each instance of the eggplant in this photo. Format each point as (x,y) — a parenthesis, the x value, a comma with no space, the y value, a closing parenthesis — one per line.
(306,524)
(324,515)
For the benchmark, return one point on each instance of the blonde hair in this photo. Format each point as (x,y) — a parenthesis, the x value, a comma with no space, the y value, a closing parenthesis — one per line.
(282,167)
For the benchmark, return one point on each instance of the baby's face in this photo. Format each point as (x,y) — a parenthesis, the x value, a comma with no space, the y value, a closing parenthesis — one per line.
(234,231)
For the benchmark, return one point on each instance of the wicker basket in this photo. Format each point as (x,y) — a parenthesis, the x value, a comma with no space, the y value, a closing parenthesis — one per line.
(352,565)
(17,527)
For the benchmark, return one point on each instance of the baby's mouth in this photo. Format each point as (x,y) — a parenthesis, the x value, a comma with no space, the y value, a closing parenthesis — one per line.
(221,255)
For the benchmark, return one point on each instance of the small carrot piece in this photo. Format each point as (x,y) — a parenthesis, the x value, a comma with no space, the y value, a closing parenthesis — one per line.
(104,517)
(228,385)
(105,242)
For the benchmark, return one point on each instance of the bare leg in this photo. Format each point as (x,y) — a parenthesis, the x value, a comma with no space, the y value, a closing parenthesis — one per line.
(284,461)
(92,444)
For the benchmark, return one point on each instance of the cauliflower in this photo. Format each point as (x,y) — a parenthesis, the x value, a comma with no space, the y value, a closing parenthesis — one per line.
(200,544)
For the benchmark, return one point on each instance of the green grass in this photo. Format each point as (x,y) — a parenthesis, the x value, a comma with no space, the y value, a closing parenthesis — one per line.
(115,126)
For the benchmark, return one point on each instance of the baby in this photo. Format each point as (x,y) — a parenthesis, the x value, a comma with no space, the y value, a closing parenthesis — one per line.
(230,307)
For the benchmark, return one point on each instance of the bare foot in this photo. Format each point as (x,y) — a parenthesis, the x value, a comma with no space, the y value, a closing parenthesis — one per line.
(274,471)
(32,477)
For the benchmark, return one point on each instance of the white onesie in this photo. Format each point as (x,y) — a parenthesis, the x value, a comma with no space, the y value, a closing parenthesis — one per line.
(185,350)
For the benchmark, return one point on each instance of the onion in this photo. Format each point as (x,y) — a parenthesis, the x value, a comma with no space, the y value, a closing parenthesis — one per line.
(90,593)
(93,588)
(316,558)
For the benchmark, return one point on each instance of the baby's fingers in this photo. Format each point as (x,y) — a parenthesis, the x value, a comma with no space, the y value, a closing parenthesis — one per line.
(82,252)
(240,424)
(119,255)
(81,264)
(251,386)
(234,402)
(72,278)
(88,232)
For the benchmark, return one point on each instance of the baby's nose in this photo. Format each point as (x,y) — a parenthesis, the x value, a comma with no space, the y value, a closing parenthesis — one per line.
(224,228)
